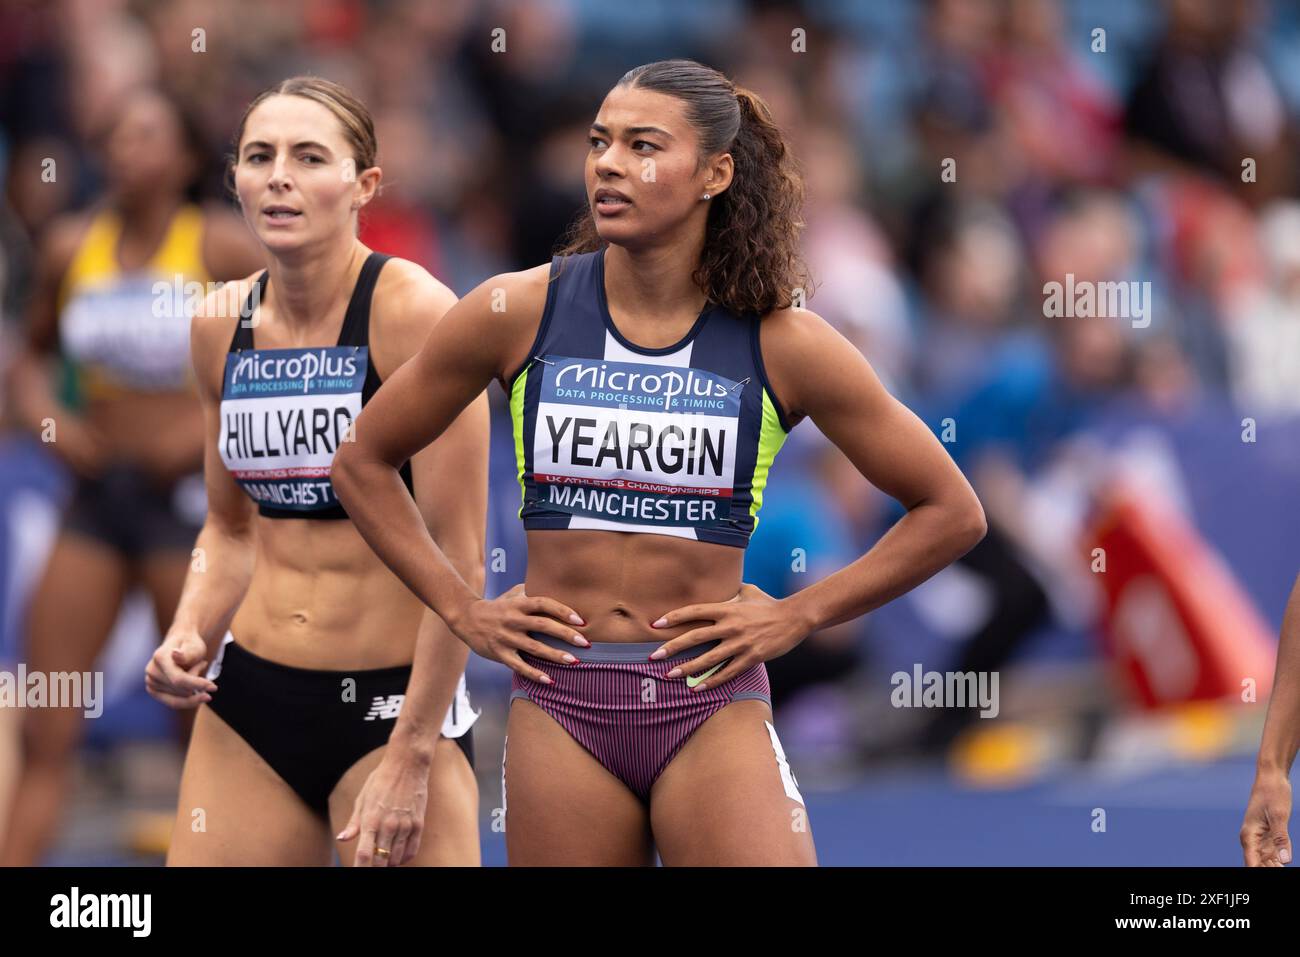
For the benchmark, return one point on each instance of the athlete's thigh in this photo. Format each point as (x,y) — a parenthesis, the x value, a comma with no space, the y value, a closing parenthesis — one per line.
(75,604)
(562,807)
(450,837)
(234,810)
(722,799)
(70,617)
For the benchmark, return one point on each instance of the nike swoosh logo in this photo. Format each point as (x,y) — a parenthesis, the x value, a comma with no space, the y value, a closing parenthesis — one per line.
(691,681)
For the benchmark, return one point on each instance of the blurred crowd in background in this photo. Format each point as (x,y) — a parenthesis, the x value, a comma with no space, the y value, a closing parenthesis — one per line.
(958,155)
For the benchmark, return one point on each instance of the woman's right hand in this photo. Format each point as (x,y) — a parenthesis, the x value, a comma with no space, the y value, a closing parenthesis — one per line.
(176,674)
(1264,840)
(498,628)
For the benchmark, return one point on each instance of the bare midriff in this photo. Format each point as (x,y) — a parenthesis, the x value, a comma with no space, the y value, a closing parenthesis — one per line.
(133,424)
(320,598)
(620,582)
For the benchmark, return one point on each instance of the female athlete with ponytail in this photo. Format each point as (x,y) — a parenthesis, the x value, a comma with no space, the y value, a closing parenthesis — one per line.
(654,369)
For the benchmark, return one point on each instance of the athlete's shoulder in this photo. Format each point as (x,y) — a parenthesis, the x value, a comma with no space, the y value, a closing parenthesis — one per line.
(793,340)
(796,331)
(511,301)
(212,327)
(224,301)
(406,293)
(498,319)
(406,304)
(527,286)
(215,316)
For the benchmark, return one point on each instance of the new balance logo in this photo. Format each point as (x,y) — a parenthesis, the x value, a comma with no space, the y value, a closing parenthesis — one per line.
(382,708)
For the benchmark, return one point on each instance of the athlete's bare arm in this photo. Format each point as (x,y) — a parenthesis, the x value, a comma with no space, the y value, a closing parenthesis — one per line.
(483,337)
(1265,841)
(450,482)
(222,566)
(450,479)
(31,391)
(893,450)
(890,447)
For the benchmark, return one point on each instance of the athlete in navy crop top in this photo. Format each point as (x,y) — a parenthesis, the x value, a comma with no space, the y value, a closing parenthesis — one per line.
(610,435)
(285,411)
(653,369)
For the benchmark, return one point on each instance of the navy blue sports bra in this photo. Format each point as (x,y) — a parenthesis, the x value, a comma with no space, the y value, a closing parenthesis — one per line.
(285,411)
(610,435)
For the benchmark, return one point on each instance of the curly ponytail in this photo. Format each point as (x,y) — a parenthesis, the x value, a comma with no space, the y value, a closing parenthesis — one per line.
(751,262)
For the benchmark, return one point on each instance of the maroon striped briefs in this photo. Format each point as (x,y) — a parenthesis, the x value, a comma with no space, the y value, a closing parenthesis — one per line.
(618,705)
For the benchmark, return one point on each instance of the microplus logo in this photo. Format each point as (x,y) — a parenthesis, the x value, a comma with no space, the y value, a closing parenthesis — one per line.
(102,910)
(667,383)
(310,365)
(56,689)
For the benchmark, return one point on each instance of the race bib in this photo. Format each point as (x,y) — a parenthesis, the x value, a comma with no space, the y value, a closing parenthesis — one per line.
(634,442)
(283,414)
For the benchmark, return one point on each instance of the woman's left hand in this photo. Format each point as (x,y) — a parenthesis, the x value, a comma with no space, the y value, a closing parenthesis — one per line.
(752,627)
(389,811)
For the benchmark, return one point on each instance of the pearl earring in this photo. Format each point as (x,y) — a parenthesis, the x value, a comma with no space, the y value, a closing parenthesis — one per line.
(705,196)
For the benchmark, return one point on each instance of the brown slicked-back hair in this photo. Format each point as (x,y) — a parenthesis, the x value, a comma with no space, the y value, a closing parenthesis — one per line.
(358,126)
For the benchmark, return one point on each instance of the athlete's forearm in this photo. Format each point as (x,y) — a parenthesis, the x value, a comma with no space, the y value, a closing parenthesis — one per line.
(1277,748)
(435,673)
(221,568)
(388,519)
(35,404)
(925,540)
